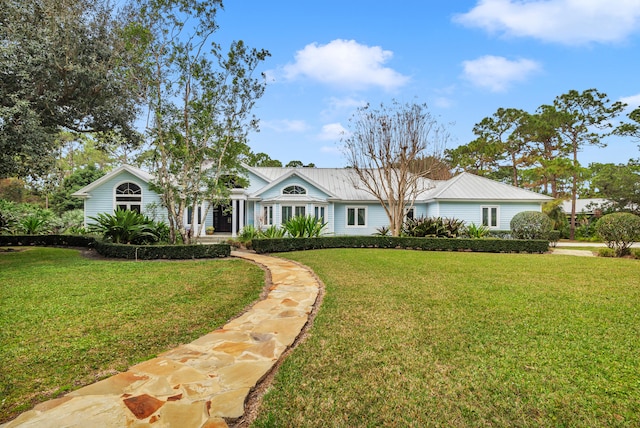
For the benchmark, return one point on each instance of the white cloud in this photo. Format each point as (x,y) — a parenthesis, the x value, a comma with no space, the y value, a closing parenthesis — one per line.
(443,102)
(332,132)
(498,73)
(285,125)
(346,63)
(332,150)
(632,102)
(569,22)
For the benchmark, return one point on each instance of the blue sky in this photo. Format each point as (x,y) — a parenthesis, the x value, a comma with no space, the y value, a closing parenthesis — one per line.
(464,59)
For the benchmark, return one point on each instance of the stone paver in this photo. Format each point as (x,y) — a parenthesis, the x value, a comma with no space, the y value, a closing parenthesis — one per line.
(566,252)
(199,384)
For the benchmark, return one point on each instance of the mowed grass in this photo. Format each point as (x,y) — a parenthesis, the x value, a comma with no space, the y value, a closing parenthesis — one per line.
(67,321)
(409,338)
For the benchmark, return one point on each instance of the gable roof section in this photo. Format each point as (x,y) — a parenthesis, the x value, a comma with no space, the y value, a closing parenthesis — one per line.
(335,182)
(467,186)
(142,175)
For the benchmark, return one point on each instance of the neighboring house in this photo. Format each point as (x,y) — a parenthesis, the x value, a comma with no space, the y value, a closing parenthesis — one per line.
(276,194)
(588,207)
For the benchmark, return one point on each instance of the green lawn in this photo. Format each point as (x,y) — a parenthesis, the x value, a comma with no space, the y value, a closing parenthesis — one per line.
(409,338)
(66,321)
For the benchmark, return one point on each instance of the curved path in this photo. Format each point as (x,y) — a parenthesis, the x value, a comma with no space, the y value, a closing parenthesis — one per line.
(200,384)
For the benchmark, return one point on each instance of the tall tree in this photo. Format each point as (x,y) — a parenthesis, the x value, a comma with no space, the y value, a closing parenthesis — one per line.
(505,131)
(551,170)
(480,157)
(632,128)
(201,100)
(618,183)
(63,66)
(585,120)
(261,159)
(383,145)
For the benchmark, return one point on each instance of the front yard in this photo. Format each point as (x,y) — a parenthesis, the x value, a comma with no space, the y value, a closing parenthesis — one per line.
(409,338)
(67,321)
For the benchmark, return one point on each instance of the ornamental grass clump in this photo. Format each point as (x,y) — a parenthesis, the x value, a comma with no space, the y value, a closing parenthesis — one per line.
(530,225)
(303,227)
(619,231)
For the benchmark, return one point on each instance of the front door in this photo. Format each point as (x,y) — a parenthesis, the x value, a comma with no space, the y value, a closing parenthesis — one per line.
(222,218)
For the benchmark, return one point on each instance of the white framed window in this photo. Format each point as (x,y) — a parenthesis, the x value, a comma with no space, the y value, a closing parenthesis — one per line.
(319,213)
(128,196)
(267,215)
(290,211)
(356,216)
(190,215)
(490,216)
(294,190)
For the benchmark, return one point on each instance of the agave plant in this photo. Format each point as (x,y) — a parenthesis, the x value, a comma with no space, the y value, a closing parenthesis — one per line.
(476,232)
(303,227)
(125,227)
(272,232)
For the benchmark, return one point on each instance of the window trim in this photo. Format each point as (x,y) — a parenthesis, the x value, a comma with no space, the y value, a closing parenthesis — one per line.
(128,204)
(356,208)
(267,215)
(302,190)
(489,209)
(294,207)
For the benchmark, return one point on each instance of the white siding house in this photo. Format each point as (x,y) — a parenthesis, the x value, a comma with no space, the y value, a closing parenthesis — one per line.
(275,194)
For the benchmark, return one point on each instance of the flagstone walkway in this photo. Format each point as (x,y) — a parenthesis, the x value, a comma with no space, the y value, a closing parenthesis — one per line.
(201,384)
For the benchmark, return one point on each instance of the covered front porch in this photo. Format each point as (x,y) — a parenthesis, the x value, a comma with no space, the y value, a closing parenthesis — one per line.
(227,219)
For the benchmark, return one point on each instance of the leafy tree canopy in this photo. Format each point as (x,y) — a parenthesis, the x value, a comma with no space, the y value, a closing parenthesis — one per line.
(63,66)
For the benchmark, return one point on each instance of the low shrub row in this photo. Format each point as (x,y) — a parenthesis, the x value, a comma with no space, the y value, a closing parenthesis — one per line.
(106,249)
(428,244)
(169,252)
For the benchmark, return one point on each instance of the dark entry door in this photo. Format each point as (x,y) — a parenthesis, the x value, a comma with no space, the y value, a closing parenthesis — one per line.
(222,218)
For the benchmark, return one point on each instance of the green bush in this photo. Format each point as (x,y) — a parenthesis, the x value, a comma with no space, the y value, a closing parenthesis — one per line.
(435,227)
(107,249)
(248,233)
(554,237)
(619,231)
(635,252)
(429,244)
(127,227)
(476,232)
(530,225)
(303,227)
(606,252)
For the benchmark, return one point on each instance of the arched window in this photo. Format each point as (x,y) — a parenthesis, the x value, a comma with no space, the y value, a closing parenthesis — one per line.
(294,190)
(129,197)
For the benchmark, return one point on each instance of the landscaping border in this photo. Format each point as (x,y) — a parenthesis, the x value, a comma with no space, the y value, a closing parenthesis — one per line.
(427,244)
(122,251)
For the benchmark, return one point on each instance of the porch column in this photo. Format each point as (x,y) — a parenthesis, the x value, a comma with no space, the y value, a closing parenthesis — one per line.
(234,218)
(241,214)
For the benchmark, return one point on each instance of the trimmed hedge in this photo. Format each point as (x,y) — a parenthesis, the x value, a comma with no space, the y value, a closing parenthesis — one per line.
(169,252)
(139,252)
(428,244)
(47,241)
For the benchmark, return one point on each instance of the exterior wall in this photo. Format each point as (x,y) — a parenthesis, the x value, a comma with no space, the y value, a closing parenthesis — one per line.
(471,212)
(102,198)
(375,218)
(255,183)
(312,192)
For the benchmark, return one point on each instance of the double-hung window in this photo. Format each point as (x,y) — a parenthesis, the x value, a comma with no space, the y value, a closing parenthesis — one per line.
(267,215)
(356,216)
(318,213)
(490,216)
(290,211)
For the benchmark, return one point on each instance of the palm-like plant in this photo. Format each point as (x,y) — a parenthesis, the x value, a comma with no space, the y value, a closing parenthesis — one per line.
(125,227)
(303,227)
